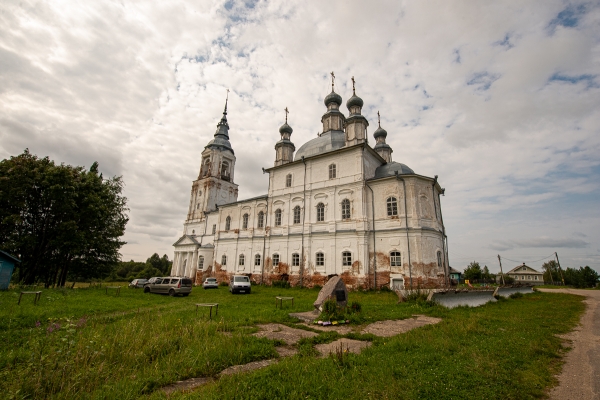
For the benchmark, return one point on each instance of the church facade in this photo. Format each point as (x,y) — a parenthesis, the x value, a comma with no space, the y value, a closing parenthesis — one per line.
(334,206)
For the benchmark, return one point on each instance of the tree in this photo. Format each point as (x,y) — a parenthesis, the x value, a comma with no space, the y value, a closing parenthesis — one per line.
(62,221)
(473,271)
(551,272)
(582,277)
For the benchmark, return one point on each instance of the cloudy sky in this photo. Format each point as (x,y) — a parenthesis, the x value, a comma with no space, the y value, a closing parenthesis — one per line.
(500,99)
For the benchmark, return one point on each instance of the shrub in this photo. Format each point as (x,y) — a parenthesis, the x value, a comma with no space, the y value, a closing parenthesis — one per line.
(281,284)
(355,307)
(517,295)
(223,283)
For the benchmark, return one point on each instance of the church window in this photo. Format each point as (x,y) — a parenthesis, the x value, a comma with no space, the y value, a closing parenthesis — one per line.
(297,214)
(214,229)
(288,180)
(395,259)
(205,167)
(225,170)
(201,262)
(257,260)
(332,172)
(242,260)
(223,260)
(245,221)
(392,206)
(261,219)
(346,259)
(275,260)
(320,259)
(295,260)
(278,217)
(439,258)
(320,212)
(198,206)
(345,209)
(227,223)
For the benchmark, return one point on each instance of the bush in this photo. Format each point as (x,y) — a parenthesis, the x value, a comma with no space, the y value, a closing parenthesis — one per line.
(223,283)
(355,307)
(516,295)
(281,284)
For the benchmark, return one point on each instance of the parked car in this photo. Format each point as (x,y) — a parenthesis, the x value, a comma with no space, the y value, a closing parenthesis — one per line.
(239,284)
(171,285)
(210,283)
(138,283)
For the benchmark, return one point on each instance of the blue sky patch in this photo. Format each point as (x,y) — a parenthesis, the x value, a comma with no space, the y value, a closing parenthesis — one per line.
(482,80)
(588,79)
(505,42)
(569,17)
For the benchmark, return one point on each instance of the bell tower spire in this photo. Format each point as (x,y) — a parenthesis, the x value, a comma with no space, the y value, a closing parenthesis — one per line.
(284,149)
(356,123)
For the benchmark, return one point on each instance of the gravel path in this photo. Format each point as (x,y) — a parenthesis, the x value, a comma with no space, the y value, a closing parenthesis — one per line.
(580,376)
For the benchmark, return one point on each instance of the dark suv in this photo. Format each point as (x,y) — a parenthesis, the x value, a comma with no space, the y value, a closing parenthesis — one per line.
(171,285)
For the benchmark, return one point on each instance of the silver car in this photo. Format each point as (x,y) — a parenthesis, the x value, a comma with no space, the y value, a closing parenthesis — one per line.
(138,283)
(171,285)
(239,284)
(210,283)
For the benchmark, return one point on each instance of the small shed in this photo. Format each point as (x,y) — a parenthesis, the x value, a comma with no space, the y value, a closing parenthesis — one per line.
(455,274)
(7,266)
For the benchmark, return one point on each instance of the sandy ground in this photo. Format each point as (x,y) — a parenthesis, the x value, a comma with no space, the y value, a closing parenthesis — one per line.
(345,345)
(396,327)
(580,376)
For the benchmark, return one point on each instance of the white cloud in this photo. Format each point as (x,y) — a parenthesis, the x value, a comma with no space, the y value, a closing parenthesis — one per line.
(465,91)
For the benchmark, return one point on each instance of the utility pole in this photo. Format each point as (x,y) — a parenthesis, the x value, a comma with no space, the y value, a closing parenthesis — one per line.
(560,269)
(501,273)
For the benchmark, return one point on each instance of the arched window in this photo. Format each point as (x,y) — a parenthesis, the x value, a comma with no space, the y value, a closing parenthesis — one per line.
(288,180)
(200,262)
(205,167)
(320,261)
(332,171)
(297,214)
(225,170)
(261,220)
(223,260)
(257,260)
(439,257)
(275,260)
(278,217)
(295,260)
(320,212)
(392,206)
(395,259)
(214,230)
(346,259)
(198,206)
(245,221)
(242,260)
(227,223)
(345,209)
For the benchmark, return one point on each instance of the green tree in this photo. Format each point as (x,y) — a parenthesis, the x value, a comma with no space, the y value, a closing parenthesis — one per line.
(582,277)
(62,221)
(551,272)
(473,271)
(160,263)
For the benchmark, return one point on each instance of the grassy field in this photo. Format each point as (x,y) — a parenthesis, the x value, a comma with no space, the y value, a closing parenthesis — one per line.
(84,343)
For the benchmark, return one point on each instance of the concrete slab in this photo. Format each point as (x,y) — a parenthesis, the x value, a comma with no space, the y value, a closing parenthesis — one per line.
(395,327)
(281,332)
(347,345)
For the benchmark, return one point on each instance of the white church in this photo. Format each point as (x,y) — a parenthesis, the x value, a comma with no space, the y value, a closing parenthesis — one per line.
(334,206)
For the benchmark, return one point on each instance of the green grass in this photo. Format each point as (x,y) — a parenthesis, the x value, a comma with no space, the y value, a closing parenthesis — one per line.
(129,346)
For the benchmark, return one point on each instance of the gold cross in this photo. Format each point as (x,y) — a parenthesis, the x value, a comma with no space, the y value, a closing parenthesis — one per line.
(286,114)
(353,89)
(332,80)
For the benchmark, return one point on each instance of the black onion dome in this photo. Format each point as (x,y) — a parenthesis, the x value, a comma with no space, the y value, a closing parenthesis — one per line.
(354,101)
(333,97)
(380,132)
(285,128)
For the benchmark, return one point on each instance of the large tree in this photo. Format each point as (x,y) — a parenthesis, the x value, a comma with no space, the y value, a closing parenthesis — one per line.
(60,220)
(473,271)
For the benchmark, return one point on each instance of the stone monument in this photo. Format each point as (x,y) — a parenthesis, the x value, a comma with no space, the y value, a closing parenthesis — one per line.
(334,288)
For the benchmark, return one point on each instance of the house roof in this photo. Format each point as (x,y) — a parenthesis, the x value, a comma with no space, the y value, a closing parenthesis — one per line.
(191,237)
(519,270)
(455,271)
(5,254)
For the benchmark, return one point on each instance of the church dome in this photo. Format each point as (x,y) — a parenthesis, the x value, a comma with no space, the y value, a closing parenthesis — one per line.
(390,169)
(333,97)
(354,101)
(285,128)
(325,143)
(380,132)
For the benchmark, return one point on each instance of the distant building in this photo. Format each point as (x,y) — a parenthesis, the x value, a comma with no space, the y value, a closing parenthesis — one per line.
(336,206)
(526,274)
(455,274)
(7,266)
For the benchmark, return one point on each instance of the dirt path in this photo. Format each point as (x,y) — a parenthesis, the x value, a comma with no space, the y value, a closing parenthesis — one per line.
(580,377)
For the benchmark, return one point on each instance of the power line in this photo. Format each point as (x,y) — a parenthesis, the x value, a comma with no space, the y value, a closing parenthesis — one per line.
(531,261)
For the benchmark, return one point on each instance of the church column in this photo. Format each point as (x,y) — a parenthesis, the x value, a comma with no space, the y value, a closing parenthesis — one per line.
(175,264)
(194,265)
